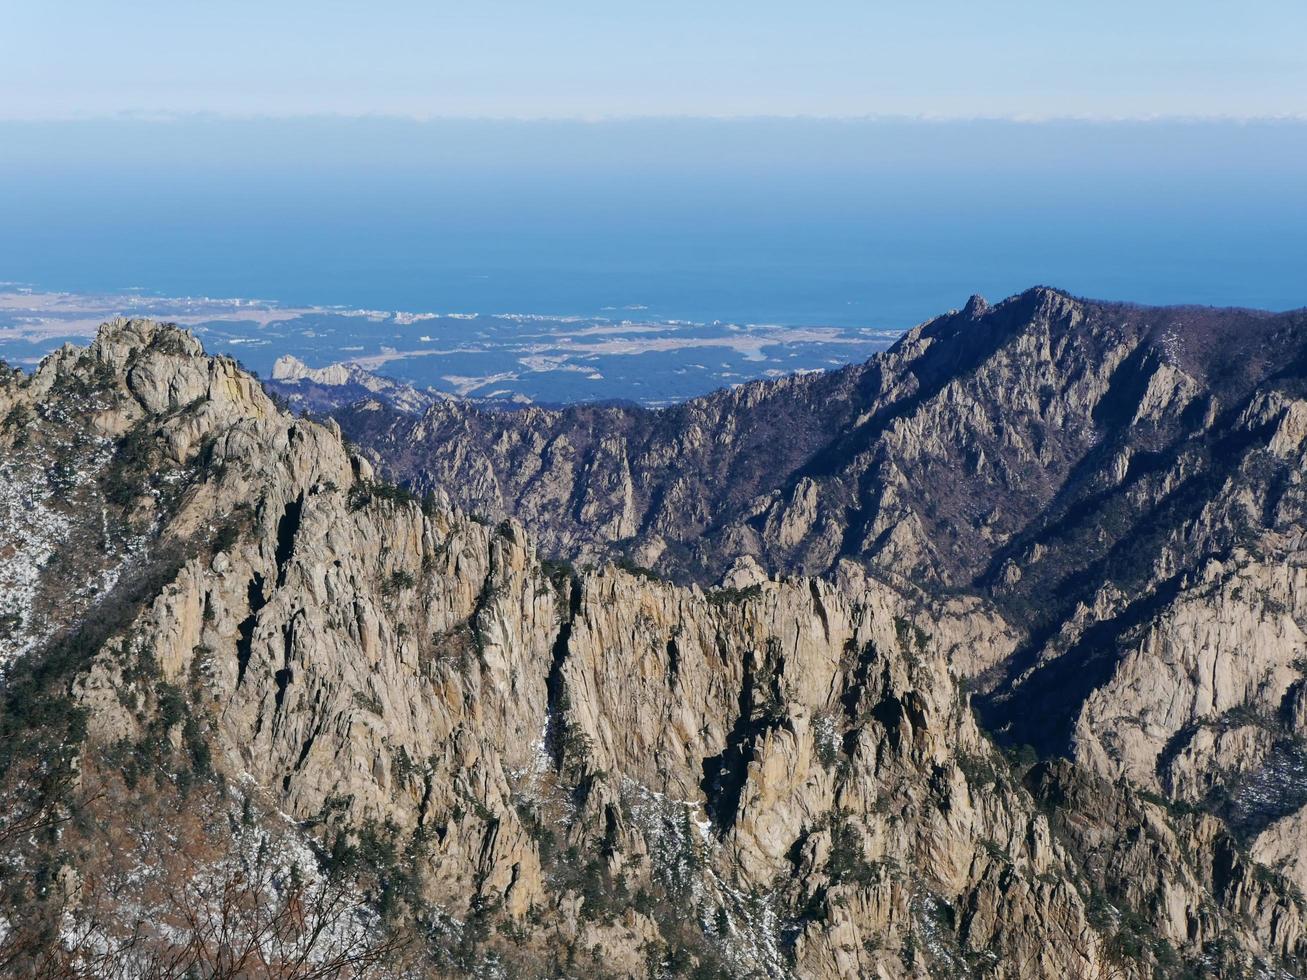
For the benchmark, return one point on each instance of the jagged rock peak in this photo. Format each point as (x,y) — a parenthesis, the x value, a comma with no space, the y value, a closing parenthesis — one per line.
(121,340)
(288,367)
(322,389)
(129,334)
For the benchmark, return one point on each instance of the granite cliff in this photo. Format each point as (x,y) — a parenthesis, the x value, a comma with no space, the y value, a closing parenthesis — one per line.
(264,713)
(1116,489)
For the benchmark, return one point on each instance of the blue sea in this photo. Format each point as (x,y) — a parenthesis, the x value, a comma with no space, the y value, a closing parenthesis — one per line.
(871,224)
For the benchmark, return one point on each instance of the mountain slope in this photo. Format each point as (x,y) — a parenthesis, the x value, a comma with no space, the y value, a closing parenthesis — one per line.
(1117,487)
(311,718)
(927,460)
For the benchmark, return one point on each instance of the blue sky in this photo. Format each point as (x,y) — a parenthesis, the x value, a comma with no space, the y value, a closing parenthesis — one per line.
(523,59)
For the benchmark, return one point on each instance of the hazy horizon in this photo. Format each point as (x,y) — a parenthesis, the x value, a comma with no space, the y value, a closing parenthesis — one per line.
(878,223)
(842,163)
(1009,58)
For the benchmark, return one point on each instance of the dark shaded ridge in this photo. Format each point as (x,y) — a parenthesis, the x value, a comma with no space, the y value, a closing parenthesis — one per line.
(1042,711)
(819,608)
(1126,388)
(725,774)
(288,526)
(284,676)
(888,711)
(1257,799)
(282,679)
(852,694)
(1134,539)
(967,340)
(555,695)
(305,749)
(893,712)
(245,631)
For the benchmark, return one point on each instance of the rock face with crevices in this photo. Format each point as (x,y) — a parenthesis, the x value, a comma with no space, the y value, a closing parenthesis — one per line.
(532,771)
(1116,489)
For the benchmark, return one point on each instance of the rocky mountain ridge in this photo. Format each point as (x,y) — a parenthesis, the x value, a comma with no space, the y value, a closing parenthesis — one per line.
(804,470)
(1116,489)
(324,389)
(493,764)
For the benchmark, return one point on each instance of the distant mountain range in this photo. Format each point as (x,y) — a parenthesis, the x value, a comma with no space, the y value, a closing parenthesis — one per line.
(307,389)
